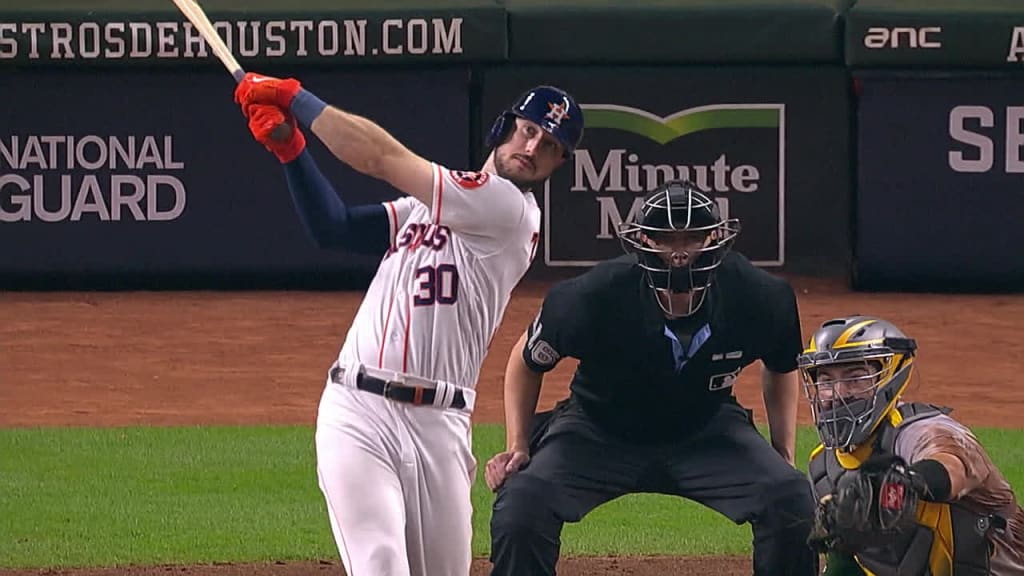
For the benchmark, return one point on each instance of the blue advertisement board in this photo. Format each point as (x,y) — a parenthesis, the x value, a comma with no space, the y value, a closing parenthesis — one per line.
(770,145)
(940,182)
(131,173)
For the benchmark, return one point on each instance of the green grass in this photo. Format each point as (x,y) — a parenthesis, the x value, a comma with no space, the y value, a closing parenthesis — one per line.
(158,495)
(100,497)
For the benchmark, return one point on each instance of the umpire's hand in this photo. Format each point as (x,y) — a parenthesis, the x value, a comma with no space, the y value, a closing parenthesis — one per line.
(502,465)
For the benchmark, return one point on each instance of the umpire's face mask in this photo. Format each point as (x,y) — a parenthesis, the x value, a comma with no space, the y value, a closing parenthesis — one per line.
(680,279)
(680,241)
(684,262)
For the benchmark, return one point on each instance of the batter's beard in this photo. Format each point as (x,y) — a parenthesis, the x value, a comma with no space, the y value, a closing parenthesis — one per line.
(501,167)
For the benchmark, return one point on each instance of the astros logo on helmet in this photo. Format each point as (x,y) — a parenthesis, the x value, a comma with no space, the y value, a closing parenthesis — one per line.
(558,113)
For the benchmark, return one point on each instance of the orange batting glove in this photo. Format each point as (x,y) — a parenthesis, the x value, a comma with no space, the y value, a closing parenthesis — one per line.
(260,89)
(263,119)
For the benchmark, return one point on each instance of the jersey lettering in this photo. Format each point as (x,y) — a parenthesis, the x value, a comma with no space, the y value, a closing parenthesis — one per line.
(439,295)
(438,285)
(423,234)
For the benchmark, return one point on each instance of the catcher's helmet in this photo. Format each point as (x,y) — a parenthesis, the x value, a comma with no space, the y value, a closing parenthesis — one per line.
(847,421)
(678,206)
(553,109)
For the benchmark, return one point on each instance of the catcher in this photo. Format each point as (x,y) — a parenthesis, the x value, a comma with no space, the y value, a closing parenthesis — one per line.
(902,487)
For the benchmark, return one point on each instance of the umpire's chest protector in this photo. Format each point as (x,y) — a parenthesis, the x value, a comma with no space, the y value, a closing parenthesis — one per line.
(946,540)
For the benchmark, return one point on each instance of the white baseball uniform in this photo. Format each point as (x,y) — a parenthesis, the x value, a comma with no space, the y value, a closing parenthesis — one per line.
(396,477)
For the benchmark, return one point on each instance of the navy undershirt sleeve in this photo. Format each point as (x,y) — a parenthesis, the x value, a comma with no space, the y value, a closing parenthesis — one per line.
(328,221)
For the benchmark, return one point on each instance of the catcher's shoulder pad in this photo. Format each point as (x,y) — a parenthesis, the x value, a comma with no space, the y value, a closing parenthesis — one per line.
(914,411)
(903,415)
(816,459)
(817,471)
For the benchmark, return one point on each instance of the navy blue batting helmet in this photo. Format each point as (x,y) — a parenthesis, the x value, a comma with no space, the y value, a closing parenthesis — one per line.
(553,109)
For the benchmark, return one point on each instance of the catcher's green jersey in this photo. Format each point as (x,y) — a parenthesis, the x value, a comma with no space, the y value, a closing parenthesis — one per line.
(839,564)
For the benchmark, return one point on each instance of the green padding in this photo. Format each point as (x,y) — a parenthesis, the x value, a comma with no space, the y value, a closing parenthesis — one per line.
(936,33)
(259,32)
(679,31)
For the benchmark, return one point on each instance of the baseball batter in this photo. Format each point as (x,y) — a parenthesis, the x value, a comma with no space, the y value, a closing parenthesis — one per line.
(393,440)
(943,508)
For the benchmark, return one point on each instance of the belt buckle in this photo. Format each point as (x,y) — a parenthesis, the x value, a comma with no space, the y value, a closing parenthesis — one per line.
(386,392)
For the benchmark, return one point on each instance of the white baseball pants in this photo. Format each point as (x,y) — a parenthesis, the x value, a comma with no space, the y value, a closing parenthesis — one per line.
(396,479)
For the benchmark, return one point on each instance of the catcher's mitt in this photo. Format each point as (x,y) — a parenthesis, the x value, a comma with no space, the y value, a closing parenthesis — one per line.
(867,506)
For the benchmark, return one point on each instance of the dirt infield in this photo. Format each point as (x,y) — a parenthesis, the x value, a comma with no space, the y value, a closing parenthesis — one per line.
(110,359)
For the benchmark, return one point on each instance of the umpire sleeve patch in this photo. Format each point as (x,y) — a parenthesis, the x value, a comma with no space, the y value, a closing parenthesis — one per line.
(537,353)
(543,355)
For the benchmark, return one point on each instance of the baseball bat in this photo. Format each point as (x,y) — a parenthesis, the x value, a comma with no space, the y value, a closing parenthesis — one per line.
(195,14)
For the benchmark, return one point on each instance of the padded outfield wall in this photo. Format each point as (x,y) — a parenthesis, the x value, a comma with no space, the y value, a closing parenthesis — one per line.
(940,144)
(123,160)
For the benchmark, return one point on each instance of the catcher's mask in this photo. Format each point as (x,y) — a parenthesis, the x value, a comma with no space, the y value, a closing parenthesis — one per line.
(680,240)
(870,362)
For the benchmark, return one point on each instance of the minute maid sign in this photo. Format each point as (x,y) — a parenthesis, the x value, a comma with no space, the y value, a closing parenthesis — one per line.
(733,152)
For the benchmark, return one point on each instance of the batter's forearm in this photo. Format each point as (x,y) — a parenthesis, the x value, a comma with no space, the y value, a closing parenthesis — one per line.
(366,147)
(781,397)
(522,390)
(358,142)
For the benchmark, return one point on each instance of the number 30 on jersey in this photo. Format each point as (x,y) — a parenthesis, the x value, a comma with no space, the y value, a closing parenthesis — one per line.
(436,285)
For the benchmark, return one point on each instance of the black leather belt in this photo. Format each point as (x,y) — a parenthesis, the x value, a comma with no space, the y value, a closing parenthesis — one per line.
(418,395)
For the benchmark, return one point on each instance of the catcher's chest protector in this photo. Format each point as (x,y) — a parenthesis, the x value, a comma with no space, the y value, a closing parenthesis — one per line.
(926,549)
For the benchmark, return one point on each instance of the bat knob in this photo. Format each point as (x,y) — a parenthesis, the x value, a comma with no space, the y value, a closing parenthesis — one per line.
(281,133)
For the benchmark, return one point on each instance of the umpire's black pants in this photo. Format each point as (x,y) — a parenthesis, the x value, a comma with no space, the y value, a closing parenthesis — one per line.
(728,466)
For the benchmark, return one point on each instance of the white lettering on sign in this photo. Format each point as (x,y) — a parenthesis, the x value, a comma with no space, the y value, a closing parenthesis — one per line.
(975,127)
(56,178)
(879,37)
(1016,45)
(92,40)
